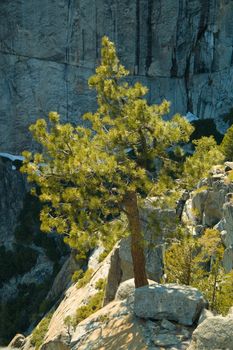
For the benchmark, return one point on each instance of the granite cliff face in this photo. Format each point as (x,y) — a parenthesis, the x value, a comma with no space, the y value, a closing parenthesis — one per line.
(182,50)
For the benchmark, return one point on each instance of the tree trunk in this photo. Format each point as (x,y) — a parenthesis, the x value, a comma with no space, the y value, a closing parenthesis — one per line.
(137,244)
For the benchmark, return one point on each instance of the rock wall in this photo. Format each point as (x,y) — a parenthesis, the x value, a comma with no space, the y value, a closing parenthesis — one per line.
(182,50)
(12,192)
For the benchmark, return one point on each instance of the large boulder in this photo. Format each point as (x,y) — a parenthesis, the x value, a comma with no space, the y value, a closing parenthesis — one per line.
(114,276)
(182,304)
(116,327)
(214,333)
(207,201)
(127,288)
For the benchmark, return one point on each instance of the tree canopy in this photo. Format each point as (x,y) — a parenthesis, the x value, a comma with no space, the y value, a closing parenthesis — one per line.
(87,176)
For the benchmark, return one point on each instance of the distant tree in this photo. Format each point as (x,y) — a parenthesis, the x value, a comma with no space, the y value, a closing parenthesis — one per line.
(182,262)
(227,144)
(89,176)
(198,262)
(207,153)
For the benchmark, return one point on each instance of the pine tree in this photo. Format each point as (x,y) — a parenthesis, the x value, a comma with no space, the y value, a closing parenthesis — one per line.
(86,177)
(227,144)
(198,262)
(207,153)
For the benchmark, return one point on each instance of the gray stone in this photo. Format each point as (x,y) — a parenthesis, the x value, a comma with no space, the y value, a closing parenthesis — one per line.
(228,259)
(13,189)
(168,325)
(184,334)
(55,345)
(209,205)
(213,333)
(182,51)
(127,288)
(220,225)
(230,312)
(93,261)
(228,217)
(63,277)
(182,304)
(166,340)
(228,166)
(204,315)
(114,276)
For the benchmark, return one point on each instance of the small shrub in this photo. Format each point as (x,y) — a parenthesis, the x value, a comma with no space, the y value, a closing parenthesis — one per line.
(103,255)
(103,318)
(227,144)
(94,304)
(40,331)
(85,279)
(100,284)
(69,322)
(77,275)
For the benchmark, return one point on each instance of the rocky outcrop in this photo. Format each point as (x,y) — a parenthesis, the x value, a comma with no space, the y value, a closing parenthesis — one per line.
(126,289)
(74,298)
(214,333)
(63,278)
(211,205)
(182,304)
(116,327)
(181,50)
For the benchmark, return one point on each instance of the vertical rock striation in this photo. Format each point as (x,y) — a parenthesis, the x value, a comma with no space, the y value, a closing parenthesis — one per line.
(181,49)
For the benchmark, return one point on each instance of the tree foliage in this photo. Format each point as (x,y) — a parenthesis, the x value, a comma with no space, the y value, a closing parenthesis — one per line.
(227,144)
(198,262)
(207,153)
(89,176)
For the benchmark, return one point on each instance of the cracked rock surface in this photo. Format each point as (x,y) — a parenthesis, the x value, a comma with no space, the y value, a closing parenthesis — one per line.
(182,50)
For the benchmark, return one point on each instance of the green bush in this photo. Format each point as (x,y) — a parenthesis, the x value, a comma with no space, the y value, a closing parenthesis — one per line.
(227,144)
(77,275)
(85,279)
(198,262)
(100,284)
(94,304)
(40,331)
